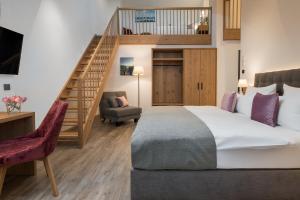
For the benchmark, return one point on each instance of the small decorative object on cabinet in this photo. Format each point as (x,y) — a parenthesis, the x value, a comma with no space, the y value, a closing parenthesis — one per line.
(13,103)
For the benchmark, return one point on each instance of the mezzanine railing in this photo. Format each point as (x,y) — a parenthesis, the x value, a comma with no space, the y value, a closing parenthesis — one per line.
(165,21)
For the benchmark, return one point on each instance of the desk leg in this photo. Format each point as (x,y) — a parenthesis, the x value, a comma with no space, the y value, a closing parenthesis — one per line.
(2,177)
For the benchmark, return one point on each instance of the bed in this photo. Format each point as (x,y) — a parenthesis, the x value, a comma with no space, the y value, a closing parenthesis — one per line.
(246,159)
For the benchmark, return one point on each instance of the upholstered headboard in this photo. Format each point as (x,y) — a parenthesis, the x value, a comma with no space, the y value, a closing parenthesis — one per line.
(289,77)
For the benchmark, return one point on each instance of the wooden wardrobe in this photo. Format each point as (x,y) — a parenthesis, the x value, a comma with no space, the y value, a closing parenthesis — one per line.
(199,77)
(184,77)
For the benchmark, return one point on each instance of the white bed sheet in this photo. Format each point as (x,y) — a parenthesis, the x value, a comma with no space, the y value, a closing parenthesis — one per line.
(243,143)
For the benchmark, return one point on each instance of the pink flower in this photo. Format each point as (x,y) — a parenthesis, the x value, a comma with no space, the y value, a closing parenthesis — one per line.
(6,99)
(18,99)
(24,99)
(14,99)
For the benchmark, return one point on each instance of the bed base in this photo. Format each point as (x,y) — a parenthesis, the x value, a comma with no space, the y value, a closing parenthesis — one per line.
(260,184)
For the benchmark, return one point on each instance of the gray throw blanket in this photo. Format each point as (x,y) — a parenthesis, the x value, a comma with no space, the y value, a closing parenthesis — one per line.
(172,138)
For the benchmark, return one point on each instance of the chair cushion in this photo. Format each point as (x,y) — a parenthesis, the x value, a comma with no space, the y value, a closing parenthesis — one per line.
(122,112)
(112,100)
(21,150)
(123,102)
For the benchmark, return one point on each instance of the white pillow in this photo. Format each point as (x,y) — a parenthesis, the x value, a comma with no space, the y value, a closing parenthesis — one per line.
(291,91)
(244,102)
(271,89)
(289,111)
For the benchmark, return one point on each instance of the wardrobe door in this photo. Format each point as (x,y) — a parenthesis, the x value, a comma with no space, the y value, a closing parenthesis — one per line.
(208,71)
(191,75)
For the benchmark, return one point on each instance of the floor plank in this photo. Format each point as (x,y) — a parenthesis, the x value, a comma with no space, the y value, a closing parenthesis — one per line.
(99,171)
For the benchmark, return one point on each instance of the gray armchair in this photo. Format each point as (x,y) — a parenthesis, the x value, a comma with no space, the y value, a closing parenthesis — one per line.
(109,109)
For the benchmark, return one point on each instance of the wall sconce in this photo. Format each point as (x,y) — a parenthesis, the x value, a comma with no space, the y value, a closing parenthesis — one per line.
(243,84)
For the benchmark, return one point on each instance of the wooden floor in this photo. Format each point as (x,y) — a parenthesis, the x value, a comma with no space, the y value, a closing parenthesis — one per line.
(99,171)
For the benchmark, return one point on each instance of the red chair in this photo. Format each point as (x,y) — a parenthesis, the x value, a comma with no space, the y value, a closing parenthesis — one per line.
(35,146)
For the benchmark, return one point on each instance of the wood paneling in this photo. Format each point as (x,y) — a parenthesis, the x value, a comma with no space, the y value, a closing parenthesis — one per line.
(167,85)
(200,67)
(232,20)
(191,73)
(167,77)
(208,77)
(232,34)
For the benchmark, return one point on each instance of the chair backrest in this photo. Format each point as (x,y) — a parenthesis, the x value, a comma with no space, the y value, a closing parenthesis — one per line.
(51,125)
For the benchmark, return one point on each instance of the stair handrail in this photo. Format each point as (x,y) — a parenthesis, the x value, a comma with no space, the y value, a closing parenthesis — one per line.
(107,44)
(100,43)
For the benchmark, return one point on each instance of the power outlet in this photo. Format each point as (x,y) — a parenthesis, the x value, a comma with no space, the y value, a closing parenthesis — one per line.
(6,87)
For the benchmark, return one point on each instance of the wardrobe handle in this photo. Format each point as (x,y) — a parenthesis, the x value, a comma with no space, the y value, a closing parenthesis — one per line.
(198,86)
(201,86)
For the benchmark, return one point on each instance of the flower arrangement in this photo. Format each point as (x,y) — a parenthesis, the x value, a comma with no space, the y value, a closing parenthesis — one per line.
(13,103)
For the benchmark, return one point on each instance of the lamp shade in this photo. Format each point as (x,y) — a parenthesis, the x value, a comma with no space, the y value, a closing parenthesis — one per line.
(243,83)
(138,70)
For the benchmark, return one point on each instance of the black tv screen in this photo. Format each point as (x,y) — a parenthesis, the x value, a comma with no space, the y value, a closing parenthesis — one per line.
(10,51)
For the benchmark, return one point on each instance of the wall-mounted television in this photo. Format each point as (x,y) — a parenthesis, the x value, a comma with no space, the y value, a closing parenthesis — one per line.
(10,51)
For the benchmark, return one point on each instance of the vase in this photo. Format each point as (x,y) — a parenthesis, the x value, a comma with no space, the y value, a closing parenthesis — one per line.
(13,108)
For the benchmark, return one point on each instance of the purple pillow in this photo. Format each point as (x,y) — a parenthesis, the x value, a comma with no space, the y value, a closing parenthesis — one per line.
(229,101)
(265,109)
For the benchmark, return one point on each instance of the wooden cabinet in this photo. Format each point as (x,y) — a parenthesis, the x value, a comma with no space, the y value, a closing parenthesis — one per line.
(184,77)
(199,76)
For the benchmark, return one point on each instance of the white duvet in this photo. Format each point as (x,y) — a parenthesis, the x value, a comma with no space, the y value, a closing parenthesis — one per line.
(244,143)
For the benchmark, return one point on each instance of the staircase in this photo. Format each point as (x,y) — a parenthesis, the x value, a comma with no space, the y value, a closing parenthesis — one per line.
(84,89)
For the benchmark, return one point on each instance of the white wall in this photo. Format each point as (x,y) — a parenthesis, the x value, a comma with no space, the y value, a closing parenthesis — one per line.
(22,22)
(101,12)
(227,56)
(56,34)
(270,35)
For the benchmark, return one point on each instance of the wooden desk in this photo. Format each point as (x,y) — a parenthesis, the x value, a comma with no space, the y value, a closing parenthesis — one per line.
(14,125)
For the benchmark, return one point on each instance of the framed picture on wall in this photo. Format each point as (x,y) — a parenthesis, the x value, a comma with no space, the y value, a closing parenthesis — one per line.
(126,66)
(142,16)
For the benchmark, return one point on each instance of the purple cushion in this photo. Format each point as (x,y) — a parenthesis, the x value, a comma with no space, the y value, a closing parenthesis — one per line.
(265,109)
(229,101)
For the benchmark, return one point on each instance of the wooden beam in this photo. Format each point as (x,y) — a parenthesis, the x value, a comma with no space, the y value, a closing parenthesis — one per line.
(166,39)
(232,34)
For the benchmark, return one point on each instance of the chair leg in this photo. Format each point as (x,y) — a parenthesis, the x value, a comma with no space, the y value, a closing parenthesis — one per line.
(51,176)
(2,177)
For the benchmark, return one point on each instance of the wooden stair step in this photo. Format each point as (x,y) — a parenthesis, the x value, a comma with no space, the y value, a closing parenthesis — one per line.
(74,108)
(83,70)
(71,121)
(68,135)
(76,86)
(73,96)
(69,89)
